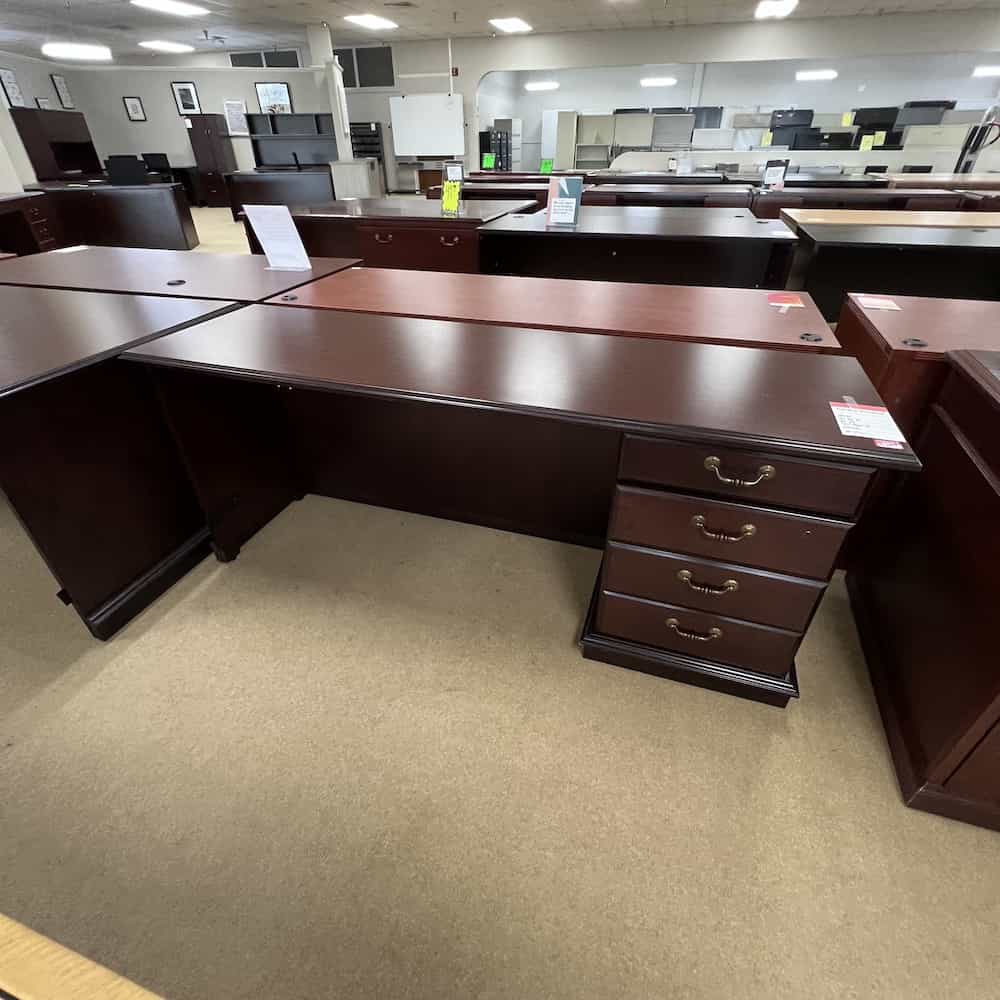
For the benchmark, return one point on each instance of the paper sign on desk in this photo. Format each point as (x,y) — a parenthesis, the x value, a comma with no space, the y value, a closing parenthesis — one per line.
(867,143)
(877,302)
(546,167)
(880,138)
(774,174)
(565,194)
(859,420)
(278,237)
(451,193)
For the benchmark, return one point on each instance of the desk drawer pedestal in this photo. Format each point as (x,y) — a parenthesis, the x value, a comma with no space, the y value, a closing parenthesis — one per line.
(717,592)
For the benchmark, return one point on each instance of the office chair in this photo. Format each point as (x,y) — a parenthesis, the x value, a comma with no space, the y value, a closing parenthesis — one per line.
(126,170)
(917,168)
(876,170)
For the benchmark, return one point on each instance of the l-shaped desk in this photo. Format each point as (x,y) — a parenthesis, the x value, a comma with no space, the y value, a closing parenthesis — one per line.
(722,472)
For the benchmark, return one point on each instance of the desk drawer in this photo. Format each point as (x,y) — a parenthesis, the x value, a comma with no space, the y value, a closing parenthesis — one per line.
(753,536)
(440,249)
(720,588)
(42,232)
(711,637)
(770,479)
(35,213)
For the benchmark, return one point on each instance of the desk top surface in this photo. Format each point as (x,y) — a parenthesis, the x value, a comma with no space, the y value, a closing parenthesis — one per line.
(692,391)
(59,187)
(818,180)
(20,196)
(848,194)
(668,312)
(652,177)
(420,209)
(931,237)
(874,217)
(672,190)
(983,181)
(649,222)
(228,276)
(933,327)
(46,332)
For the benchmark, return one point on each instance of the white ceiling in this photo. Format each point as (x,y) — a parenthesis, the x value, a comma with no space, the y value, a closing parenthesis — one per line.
(241,24)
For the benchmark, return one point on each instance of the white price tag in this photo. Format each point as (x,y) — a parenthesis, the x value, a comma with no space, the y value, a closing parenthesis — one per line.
(562,211)
(859,420)
(877,302)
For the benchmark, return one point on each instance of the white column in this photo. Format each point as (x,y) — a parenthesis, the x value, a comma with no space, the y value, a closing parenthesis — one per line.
(321,57)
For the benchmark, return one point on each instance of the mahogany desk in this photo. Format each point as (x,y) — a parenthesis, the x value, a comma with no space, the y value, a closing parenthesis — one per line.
(27,223)
(905,353)
(959,263)
(729,485)
(926,597)
(517,190)
(397,232)
(678,246)
(651,177)
(807,180)
(770,204)
(85,457)
(670,195)
(736,316)
(794,217)
(504,176)
(970,182)
(228,276)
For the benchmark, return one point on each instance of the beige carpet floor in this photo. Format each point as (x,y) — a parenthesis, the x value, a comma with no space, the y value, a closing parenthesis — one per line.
(367,761)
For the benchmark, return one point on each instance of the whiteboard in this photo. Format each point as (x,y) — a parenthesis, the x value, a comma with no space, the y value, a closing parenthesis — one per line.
(428,125)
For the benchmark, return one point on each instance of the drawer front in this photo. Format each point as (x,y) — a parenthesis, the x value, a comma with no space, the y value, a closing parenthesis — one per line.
(752,536)
(751,476)
(42,232)
(423,249)
(694,633)
(720,588)
(35,212)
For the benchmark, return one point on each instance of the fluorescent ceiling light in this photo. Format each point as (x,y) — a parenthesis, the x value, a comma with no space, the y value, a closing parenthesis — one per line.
(372,21)
(658,81)
(775,8)
(171,7)
(73,50)
(542,85)
(166,46)
(986,71)
(510,24)
(816,74)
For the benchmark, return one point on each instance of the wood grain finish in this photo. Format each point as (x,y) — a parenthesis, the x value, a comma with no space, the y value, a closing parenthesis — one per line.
(761,537)
(769,204)
(416,210)
(670,195)
(734,316)
(675,389)
(651,177)
(27,224)
(804,179)
(536,191)
(973,182)
(232,277)
(794,217)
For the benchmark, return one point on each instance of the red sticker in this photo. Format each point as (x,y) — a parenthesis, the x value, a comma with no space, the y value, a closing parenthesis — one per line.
(787,299)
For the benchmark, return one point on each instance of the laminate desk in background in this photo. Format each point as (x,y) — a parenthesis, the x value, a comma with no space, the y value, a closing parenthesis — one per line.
(795,217)
(970,182)
(397,232)
(228,276)
(729,484)
(26,223)
(651,177)
(735,316)
(278,187)
(905,352)
(156,216)
(980,201)
(769,204)
(505,176)
(537,191)
(925,597)
(807,180)
(677,246)
(86,460)
(830,261)
(670,195)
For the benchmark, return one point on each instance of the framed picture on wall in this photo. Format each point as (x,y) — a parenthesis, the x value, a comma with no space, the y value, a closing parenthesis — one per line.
(62,91)
(186,98)
(44,103)
(134,109)
(11,89)
(274,98)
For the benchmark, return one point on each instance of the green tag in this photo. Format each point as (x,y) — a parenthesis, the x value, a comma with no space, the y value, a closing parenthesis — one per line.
(546,167)
(766,140)
(847,119)
(489,161)
(867,142)
(451,192)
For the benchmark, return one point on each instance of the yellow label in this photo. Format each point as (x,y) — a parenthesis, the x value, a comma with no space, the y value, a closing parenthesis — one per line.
(847,119)
(880,138)
(766,140)
(451,191)
(867,141)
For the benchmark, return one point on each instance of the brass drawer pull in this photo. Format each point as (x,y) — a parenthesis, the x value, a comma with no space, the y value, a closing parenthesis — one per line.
(686,577)
(765,472)
(713,633)
(449,241)
(383,238)
(747,531)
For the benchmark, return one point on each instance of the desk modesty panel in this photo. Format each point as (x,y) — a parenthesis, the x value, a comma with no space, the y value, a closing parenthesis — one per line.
(795,217)
(945,262)
(86,460)
(670,195)
(769,204)
(677,246)
(227,276)
(546,432)
(736,316)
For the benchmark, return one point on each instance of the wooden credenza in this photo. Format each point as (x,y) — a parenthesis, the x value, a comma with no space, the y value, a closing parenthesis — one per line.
(27,224)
